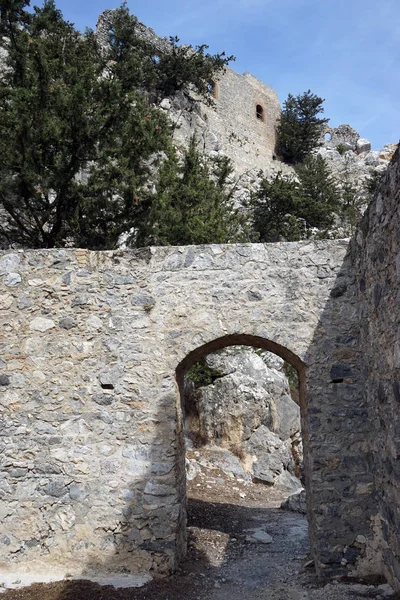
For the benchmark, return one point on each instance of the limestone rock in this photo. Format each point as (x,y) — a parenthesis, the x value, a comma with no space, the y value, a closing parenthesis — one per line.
(166,104)
(352,162)
(260,536)
(372,159)
(248,410)
(192,469)
(4,380)
(296,502)
(223,459)
(6,301)
(287,482)
(8,263)
(67,322)
(363,145)
(41,324)
(13,279)
(287,417)
(343,135)
(271,455)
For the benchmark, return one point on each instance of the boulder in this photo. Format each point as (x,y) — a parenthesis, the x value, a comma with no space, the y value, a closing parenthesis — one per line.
(230,409)
(296,502)
(271,456)
(224,460)
(372,159)
(166,104)
(287,415)
(363,145)
(287,482)
(250,390)
(248,412)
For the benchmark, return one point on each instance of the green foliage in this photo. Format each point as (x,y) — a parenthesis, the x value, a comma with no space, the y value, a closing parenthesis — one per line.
(274,204)
(351,206)
(299,129)
(320,197)
(293,379)
(202,374)
(288,209)
(192,204)
(352,201)
(39,149)
(159,73)
(79,125)
(187,65)
(341,148)
(373,182)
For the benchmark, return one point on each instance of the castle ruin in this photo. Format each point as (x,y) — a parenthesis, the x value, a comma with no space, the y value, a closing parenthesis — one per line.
(95,345)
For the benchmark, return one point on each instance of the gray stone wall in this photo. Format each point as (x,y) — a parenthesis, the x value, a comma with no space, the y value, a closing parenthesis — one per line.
(93,349)
(340,495)
(376,252)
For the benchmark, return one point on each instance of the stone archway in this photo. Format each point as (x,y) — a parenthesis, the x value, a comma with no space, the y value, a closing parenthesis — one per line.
(90,387)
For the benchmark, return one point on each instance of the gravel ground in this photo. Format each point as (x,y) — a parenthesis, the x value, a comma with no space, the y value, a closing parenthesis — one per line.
(241,546)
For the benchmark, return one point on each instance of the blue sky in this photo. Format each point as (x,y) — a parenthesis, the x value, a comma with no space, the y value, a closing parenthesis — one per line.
(346,51)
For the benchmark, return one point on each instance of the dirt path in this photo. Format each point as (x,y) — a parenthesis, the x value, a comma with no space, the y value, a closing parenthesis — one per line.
(241,547)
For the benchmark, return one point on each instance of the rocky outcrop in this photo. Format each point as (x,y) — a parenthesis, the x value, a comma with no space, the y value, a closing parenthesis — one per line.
(352,161)
(248,410)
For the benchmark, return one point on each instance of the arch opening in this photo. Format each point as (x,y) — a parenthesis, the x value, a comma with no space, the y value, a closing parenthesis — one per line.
(260,113)
(216,438)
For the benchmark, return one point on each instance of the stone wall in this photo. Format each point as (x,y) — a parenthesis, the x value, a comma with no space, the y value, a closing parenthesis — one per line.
(93,348)
(376,251)
(340,494)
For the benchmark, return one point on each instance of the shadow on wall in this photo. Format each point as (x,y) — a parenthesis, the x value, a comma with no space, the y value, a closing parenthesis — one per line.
(339,469)
(142,540)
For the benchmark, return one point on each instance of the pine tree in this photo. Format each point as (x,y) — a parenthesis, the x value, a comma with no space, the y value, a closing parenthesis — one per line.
(193,203)
(352,199)
(289,209)
(373,182)
(274,207)
(320,197)
(299,128)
